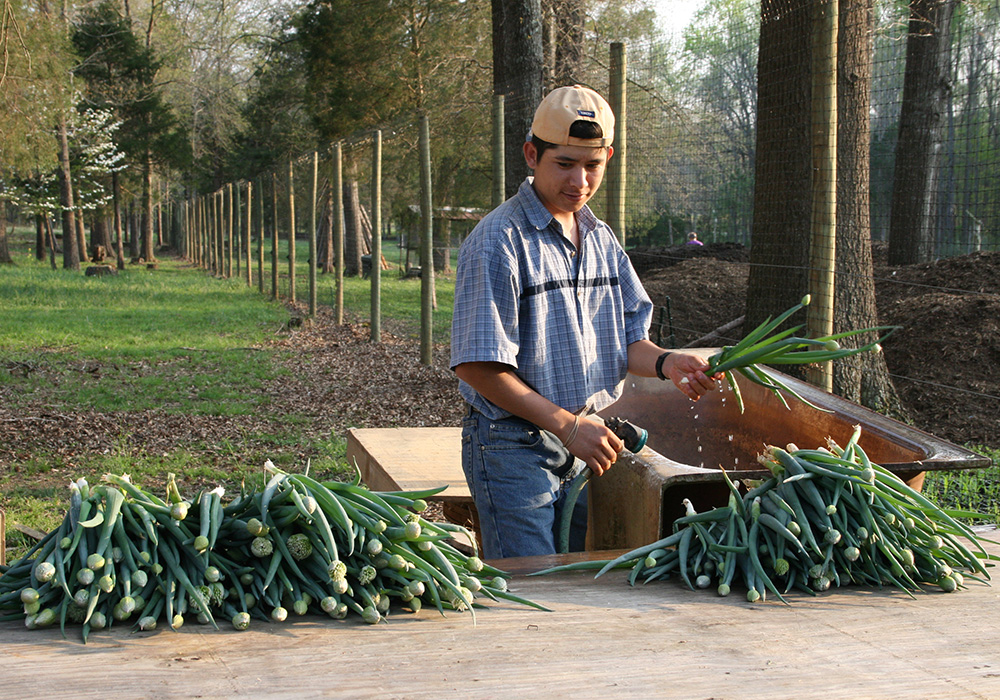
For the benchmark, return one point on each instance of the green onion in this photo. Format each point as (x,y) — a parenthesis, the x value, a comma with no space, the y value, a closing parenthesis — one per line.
(784,348)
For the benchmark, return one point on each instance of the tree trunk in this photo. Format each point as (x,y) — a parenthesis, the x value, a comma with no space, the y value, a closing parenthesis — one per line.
(147,207)
(779,257)
(71,255)
(864,378)
(326,244)
(518,71)
(100,236)
(133,234)
(442,245)
(352,230)
(52,241)
(926,85)
(4,252)
(566,34)
(81,238)
(117,203)
(41,241)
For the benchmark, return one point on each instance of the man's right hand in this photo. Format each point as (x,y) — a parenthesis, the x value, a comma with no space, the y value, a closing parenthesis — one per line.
(596,445)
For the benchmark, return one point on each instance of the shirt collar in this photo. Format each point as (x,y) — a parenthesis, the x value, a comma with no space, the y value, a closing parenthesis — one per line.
(541,218)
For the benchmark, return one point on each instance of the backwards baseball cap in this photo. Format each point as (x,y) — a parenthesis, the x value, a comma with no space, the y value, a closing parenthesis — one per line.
(563,106)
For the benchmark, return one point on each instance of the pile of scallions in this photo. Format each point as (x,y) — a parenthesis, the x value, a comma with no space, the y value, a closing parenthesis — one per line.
(825,517)
(125,555)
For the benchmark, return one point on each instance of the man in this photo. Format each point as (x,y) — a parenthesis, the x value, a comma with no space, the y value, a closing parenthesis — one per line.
(693,239)
(549,318)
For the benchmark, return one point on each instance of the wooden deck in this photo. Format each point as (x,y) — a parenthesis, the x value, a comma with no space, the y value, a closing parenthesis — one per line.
(603,639)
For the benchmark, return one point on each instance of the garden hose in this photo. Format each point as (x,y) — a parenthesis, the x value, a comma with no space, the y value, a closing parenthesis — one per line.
(634,438)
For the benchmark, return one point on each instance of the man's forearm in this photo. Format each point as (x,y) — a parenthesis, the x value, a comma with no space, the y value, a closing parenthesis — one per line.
(499,384)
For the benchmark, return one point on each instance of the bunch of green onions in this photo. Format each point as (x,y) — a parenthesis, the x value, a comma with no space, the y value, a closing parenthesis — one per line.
(123,554)
(826,517)
(783,348)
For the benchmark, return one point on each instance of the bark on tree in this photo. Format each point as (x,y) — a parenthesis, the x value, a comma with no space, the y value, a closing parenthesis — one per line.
(779,256)
(4,251)
(926,85)
(863,379)
(352,230)
(147,207)
(564,41)
(71,255)
(81,238)
(326,229)
(41,241)
(518,72)
(117,203)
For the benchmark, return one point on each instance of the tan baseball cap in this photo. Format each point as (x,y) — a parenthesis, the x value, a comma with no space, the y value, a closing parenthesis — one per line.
(565,105)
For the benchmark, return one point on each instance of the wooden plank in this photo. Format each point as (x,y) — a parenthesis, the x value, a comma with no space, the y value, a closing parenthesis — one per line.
(410,459)
(602,639)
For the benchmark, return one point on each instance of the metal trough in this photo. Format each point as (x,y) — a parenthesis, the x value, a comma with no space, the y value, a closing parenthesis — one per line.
(637,501)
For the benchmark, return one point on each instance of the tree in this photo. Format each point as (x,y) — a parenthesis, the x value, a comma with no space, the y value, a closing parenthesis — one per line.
(121,75)
(518,72)
(563,41)
(720,73)
(782,204)
(862,378)
(779,257)
(926,86)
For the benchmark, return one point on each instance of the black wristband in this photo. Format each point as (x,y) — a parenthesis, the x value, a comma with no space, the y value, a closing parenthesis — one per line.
(659,365)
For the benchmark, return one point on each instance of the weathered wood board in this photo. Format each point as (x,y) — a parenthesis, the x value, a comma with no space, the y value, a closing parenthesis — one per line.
(602,639)
(410,459)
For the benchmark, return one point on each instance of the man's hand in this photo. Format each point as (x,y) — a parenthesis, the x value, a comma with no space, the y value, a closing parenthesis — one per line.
(596,445)
(687,372)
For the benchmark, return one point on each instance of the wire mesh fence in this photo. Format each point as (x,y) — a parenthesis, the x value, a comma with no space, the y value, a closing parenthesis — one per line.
(690,144)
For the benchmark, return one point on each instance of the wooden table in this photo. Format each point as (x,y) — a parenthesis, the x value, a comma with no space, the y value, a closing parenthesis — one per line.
(602,639)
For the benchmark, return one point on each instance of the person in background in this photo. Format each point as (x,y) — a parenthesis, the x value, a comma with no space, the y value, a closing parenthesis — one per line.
(693,239)
(549,318)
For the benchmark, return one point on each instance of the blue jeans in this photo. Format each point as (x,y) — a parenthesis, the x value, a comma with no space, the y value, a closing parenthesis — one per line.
(519,476)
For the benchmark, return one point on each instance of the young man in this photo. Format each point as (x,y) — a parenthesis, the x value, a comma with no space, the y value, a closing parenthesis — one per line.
(549,318)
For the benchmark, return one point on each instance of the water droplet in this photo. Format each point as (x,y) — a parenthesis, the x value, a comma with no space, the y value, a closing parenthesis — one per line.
(699,448)
(730,438)
(696,416)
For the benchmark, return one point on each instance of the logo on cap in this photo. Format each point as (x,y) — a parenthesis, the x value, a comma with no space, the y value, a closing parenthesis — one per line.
(587,113)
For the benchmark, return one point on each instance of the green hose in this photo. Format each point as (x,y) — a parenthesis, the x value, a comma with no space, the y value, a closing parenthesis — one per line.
(576,486)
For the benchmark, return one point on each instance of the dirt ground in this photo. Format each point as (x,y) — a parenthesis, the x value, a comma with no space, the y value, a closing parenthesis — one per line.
(945,362)
(945,359)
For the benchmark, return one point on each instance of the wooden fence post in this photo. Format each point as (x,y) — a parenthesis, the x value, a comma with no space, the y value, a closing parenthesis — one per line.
(312,236)
(291,230)
(274,235)
(248,239)
(823,239)
(338,231)
(426,245)
(616,166)
(498,152)
(376,251)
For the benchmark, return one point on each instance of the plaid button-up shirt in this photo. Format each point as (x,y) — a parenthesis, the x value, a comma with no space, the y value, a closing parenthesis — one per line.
(562,318)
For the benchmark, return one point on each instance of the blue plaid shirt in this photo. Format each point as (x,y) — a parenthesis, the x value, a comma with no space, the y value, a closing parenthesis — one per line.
(563,319)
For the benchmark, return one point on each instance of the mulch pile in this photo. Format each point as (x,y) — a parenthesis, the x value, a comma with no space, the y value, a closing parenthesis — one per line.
(945,359)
